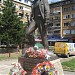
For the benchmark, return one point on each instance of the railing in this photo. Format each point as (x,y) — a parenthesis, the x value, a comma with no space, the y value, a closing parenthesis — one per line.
(56,13)
(55,20)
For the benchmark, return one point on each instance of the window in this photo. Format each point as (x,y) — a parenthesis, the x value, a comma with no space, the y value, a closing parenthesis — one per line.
(66,31)
(58,24)
(73,24)
(67,24)
(21,7)
(17,6)
(56,13)
(66,16)
(50,25)
(73,16)
(57,18)
(21,15)
(72,31)
(66,9)
(50,33)
(56,32)
(67,2)
(73,7)
(51,19)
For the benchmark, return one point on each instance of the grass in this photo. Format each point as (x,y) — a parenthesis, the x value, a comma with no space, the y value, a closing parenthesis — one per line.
(14,55)
(69,65)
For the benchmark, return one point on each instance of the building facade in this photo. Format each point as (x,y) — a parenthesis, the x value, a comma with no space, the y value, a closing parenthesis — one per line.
(55,20)
(62,20)
(23,9)
(68,19)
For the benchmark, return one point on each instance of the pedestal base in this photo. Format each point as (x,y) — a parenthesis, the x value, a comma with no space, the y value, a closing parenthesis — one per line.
(29,63)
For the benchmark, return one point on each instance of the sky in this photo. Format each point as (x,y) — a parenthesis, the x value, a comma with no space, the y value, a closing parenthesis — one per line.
(53,0)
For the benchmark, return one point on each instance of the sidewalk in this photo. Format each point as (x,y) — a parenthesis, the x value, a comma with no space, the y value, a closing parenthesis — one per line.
(5,66)
(69,73)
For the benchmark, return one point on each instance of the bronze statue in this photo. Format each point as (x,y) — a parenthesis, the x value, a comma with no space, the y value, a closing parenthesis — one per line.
(40,19)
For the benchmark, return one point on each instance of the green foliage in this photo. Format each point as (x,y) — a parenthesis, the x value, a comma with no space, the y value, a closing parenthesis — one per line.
(11,28)
(69,65)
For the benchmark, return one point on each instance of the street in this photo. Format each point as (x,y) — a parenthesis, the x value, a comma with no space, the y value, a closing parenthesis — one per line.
(5,66)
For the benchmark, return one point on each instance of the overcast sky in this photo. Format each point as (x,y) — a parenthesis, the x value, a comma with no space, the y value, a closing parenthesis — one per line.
(53,0)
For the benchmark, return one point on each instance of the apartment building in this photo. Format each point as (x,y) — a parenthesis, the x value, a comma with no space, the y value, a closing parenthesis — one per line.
(68,19)
(62,20)
(23,9)
(55,19)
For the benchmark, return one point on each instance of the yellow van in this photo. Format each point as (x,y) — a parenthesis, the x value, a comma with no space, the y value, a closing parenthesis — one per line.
(64,48)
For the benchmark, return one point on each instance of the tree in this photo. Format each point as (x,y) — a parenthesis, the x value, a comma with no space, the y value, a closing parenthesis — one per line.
(10,24)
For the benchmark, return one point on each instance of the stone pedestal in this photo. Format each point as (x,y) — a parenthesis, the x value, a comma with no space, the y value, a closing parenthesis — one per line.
(29,63)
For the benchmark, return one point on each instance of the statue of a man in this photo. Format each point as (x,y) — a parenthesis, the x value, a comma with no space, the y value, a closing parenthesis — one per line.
(40,19)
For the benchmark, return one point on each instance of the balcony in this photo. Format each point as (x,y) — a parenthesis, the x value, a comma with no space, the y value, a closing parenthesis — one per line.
(55,13)
(54,28)
(51,14)
(55,20)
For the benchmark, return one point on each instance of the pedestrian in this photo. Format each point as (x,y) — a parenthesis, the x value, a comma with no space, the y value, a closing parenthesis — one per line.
(18,48)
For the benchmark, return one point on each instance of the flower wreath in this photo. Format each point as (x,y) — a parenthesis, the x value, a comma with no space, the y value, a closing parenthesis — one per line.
(17,70)
(47,67)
